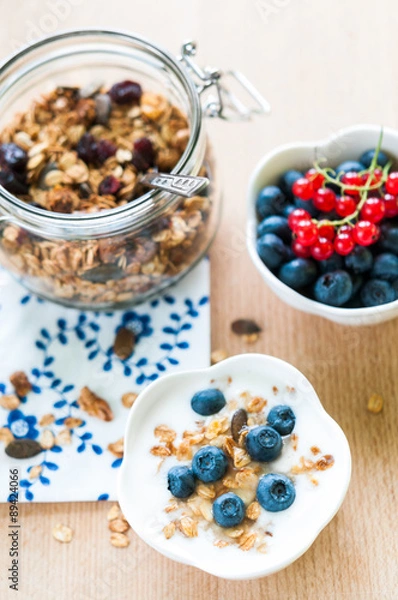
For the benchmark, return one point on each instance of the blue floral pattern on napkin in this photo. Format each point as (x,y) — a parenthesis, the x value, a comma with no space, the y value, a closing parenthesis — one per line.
(61,350)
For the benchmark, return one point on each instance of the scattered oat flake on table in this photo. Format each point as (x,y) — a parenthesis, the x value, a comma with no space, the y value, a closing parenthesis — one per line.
(119,525)
(62,533)
(114,513)
(119,540)
(117,448)
(47,419)
(6,436)
(35,471)
(375,404)
(218,356)
(94,405)
(47,439)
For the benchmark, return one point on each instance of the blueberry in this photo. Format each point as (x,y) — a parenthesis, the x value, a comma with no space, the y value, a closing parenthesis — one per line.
(287,180)
(181,481)
(13,157)
(228,510)
(282,419)
(307,205)
(289,208)
(263,443)
(389,237)
(334,263)
(349,166)
(298,273)
(271,250)
(385,266)
(357,281)
(209,464)
(208,402)
(270,201)
(360,260)
(395,287)
(275,224)
(125,92)
(367,157)
(376,292)
(334,288)
(275,492)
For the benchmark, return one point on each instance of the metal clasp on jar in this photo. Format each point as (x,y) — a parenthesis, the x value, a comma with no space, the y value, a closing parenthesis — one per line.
(222,103)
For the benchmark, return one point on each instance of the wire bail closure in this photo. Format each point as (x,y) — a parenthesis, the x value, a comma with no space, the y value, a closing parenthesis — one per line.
(222,103)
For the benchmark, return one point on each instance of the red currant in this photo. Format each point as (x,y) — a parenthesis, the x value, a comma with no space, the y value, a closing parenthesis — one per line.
(324,199)
(376,177)
(345,206)
(346,229)
(307,232)
(326,231)
(373,210)
(303,189)
(322,249)
(315,177)
(366,233)
(392,183)
(352,178)
(297,215)
(391,204)
(343,243)
(300,250)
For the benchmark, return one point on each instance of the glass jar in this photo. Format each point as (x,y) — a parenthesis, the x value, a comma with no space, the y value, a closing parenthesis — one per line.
(118,257)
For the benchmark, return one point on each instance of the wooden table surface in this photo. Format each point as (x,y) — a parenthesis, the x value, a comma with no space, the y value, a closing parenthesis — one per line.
(322,65)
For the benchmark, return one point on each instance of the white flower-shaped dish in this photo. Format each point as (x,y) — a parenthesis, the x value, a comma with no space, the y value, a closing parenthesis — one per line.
(347,144)
(142,489)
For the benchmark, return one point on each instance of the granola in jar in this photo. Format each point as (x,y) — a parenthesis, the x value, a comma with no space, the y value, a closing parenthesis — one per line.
(79,152)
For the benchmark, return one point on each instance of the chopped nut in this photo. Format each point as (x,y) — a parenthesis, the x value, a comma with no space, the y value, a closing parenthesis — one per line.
(169,530)
(35,471)
(62,533)
(47,439)
(189,527)
(375,404)
(21,383)
(218,356)
(165,434)
(253,511)
(63,437)
(72,422)
(117,448)
(119,540)
(119,525)
(94,405)
(6,436)
(47,419)
(9,401)
(128,399)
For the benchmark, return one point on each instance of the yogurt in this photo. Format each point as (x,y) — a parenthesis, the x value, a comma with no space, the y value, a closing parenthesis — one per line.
(280,537)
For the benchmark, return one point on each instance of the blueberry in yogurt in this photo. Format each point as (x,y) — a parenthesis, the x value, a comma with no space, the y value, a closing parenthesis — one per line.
(275,492)
(181,481)
(209,464)
(282,419)
(208,402)
(263,443)
(228,510)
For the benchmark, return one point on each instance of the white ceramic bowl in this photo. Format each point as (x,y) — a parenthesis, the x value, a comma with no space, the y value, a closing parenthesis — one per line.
(347,144)
(143,493)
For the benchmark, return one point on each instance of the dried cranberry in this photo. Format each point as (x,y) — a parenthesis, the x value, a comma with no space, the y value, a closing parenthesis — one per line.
(125,92)
(144,154)
(87,148)
(12,183)
(13,157)
(105,149)
(109,186)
